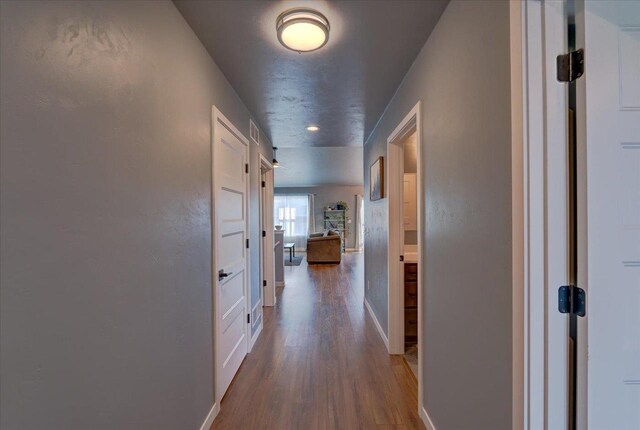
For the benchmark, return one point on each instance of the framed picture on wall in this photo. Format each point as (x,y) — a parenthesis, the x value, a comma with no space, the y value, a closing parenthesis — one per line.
(376,180)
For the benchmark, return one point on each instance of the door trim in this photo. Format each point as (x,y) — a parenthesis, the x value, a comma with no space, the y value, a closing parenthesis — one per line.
(410,123)
(266,221)
(582,400)
(516,42)
(533,253)
(544,348)
(266,259)
(219,120)
(395,163)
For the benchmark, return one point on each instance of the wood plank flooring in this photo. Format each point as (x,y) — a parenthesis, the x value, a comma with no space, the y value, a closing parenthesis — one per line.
(319,362)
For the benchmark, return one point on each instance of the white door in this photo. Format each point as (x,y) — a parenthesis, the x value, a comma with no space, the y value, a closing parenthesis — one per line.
(230,185)
(611,91)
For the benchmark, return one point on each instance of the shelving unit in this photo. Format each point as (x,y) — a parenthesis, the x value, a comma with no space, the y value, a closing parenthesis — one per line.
(336,219)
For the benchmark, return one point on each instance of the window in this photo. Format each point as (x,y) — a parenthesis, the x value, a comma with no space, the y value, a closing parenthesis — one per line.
(292,213)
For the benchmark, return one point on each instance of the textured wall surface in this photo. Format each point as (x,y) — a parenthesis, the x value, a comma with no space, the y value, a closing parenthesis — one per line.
(343,88)
(326,196)
(461,76)
(105,215)
(310,166)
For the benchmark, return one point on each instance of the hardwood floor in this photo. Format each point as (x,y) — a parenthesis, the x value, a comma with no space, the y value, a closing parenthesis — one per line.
(319,362)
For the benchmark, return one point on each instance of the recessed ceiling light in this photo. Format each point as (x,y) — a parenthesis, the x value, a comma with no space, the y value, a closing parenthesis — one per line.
(313,128)
(302,29)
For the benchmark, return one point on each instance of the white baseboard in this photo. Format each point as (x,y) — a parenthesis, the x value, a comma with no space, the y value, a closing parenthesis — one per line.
(213,413)
(426,420)
(377,323)
(257,333)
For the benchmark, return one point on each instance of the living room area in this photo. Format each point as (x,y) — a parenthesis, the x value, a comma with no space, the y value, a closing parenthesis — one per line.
(317,207)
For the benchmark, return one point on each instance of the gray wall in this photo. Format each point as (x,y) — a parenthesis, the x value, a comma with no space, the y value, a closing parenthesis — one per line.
(105,295)
(411,153)
(462,78)
(309,166)
(329,195)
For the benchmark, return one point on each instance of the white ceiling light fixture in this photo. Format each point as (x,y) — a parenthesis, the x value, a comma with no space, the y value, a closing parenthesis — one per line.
(302,29)
(313,128)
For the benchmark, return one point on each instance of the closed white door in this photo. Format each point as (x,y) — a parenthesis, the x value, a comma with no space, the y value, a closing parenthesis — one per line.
(230,184)
(611,91)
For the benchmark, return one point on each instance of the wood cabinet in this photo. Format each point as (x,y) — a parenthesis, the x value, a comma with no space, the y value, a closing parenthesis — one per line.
(410,303)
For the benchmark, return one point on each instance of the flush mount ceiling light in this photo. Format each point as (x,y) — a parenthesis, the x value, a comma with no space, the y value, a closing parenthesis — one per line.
(313,128)
(302,29)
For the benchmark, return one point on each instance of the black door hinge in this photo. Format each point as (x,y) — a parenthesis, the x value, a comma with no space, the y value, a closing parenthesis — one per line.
(248,318)
(402,258)
(264,184)
(246,168)
(247,243)
(264,282)
(264,233)
(572,300)
(570,66)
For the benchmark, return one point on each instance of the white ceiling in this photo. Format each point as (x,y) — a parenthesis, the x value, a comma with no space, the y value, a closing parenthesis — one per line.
(315,166)
(343,87)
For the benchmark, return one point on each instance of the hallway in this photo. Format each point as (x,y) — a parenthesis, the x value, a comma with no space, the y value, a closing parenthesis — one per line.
(146,149)
(319,362)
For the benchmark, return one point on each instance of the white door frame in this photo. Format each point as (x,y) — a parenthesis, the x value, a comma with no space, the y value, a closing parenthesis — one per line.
(267,268)
(395,175)
(544,377)
(582,416)
(216,119)
(517,213)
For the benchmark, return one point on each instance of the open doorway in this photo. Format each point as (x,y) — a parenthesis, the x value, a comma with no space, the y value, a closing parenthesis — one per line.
(405,242)
(410,251)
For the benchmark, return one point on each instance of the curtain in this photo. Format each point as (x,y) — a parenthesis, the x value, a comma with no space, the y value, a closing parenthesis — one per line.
(312,213)
(292,213)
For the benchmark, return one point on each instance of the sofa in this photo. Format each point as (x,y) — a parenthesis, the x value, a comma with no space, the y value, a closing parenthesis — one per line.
(324,247)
